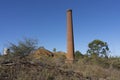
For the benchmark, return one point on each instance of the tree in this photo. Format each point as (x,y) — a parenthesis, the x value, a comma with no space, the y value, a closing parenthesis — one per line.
(98,48)
(23,47)
(54,50)
(78,55)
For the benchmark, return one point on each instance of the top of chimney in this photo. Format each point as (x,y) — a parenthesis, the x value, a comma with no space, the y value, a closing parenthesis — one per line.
(69,10)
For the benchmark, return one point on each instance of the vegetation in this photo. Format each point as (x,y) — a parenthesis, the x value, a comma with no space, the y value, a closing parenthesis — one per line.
(24,47)
(98,48)
(78,55)
(42,67)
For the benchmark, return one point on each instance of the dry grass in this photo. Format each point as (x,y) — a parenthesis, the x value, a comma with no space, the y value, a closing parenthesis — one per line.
(54,68)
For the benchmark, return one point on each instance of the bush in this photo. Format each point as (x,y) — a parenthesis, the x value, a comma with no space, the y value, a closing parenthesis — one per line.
(24,47)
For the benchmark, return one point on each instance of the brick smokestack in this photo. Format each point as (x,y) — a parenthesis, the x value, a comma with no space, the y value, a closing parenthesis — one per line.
(70,38)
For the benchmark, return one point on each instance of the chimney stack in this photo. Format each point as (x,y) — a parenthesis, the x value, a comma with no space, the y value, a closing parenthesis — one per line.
(70,38)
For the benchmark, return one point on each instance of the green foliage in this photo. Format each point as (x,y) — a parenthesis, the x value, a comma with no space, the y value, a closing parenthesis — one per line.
(98,48)
(54,50)
(78,55)
(23,47)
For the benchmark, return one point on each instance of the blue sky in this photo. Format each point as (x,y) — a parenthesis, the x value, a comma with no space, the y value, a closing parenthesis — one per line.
(45,20)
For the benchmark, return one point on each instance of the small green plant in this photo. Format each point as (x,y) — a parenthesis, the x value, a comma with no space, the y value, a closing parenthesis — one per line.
(78,55)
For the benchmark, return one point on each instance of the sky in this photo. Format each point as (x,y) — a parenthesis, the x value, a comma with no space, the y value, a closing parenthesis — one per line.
(45,20)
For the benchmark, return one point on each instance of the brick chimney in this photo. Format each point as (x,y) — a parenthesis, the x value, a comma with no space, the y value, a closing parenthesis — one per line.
(70,38)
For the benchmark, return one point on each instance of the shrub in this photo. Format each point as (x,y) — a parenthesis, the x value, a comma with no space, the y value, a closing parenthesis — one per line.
(23,47)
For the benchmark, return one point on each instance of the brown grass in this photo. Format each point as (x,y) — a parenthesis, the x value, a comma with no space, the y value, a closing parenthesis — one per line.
(54,68)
